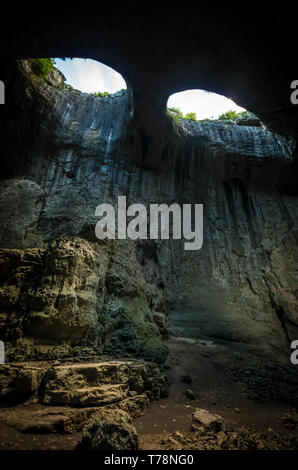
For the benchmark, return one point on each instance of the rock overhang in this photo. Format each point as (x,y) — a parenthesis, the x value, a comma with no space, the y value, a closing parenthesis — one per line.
(160,51)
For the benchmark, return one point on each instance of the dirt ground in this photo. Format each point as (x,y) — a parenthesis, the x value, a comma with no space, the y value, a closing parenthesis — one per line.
(252,394)
(219,377)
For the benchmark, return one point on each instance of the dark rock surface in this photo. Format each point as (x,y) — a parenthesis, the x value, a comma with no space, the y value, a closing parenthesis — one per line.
(270,382)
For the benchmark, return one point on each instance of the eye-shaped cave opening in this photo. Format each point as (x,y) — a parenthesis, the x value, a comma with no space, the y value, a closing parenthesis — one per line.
(197,105)
(87,99)
(90,76)
(79,74)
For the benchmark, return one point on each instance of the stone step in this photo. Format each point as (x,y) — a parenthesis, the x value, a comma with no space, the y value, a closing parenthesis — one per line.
(40,419)
(138,376)
(97,373)
(87,396)
(81,384)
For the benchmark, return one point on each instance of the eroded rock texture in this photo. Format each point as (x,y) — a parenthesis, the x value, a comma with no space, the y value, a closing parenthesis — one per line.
(63,289)
(113,431)
(76,297)
(62,398)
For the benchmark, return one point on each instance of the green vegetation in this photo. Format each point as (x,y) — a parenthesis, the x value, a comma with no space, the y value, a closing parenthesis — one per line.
(246,115)
(101,94)
(176,114)
(228,115)
(176,111)
(42,67)
(191,116)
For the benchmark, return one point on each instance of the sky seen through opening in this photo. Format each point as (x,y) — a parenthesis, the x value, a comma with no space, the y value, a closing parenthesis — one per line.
(90,76)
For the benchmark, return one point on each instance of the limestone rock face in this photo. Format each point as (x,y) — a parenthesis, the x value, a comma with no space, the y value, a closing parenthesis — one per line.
(129,321)
(67,302)
(76,294)
(61,288)
(21,202)
(68,290)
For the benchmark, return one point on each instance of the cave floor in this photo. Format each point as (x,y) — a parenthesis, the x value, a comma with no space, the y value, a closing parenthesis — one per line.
(252,395)
(217,370)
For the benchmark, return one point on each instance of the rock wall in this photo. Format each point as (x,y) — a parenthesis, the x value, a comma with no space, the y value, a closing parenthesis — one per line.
(63,289)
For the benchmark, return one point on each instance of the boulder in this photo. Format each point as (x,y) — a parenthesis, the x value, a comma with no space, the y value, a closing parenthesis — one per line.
(206,419)
(189,394)
(110,430)
(19,381)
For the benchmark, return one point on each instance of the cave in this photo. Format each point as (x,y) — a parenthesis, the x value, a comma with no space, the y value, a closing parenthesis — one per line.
(126,344)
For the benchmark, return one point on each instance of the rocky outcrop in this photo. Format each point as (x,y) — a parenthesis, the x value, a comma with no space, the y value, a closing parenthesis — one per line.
(104,383)
(112,384)
(21,202)
(98,400)
(128,318)
(18,382)
(110,431)
(235,438)
(52,295)
(54,302)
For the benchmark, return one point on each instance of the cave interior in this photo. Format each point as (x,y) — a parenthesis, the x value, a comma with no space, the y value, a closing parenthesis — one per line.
(166,344)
